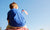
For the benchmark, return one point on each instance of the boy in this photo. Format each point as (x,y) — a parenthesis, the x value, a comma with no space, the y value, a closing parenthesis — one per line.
(15,18)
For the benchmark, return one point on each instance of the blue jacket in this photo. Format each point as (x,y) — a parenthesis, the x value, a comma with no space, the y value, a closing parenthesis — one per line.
(15,18)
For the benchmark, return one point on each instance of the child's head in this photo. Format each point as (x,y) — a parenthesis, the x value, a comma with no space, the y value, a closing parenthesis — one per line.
(13,5)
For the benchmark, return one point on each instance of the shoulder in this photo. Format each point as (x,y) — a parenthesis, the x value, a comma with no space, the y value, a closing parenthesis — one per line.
(9,11)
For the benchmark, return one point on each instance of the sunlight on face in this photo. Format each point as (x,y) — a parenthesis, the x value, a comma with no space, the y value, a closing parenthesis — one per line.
(15,6)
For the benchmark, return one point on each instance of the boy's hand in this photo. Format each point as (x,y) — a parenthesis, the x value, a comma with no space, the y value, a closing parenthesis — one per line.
(25,12)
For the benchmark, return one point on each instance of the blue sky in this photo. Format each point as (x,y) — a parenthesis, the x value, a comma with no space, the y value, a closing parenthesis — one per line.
(38,10)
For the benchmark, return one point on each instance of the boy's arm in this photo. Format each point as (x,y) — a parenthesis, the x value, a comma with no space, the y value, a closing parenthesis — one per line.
(25,12)
(8,18)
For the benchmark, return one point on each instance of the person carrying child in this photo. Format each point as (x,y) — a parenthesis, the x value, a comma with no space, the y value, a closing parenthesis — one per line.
(15,18)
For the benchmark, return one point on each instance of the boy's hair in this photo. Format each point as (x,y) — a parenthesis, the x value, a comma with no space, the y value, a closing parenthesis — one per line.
(12,5)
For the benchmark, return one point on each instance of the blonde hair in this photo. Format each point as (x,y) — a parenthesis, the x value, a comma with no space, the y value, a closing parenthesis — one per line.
(13,5)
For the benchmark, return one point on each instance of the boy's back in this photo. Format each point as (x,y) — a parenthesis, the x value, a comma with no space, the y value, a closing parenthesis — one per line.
(15,18)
